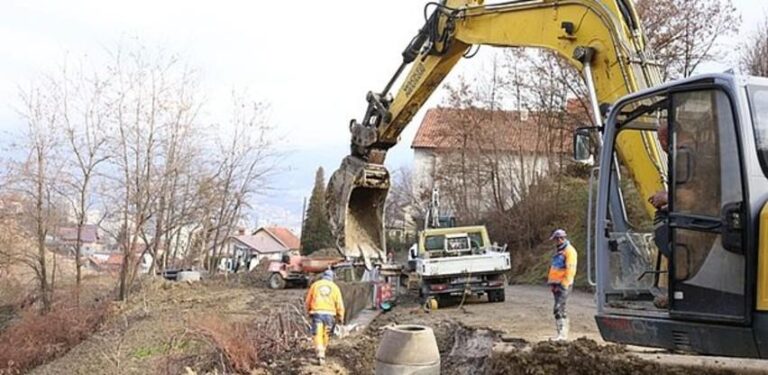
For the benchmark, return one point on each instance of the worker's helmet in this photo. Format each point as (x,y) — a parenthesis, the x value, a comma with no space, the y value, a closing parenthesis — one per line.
(558,233)
(328,274)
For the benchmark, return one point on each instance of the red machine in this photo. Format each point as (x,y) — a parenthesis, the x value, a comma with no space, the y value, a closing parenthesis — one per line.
(297,270)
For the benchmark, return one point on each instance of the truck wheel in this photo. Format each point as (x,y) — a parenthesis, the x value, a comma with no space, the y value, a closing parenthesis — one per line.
(433,303)
(496,295)
(276,281)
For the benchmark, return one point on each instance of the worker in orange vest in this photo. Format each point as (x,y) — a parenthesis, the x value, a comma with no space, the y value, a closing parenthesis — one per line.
(325,307)
(562,271)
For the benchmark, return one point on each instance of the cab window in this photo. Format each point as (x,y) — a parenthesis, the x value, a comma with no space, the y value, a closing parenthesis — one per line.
(758,103)
(432,243)
(477,239)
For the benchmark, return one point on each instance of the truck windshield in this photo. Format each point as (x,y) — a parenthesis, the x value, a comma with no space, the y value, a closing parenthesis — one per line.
(477,239)
(432,243)
(758,102)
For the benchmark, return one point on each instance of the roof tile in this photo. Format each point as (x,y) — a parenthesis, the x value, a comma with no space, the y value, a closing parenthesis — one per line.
(285,236)
(444,128)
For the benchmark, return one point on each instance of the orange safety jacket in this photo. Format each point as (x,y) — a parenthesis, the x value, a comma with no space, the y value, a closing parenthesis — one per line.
(563,268)
(324,297)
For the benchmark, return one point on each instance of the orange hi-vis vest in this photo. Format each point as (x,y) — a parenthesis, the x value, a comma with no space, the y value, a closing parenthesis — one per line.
(563,268)
(324,297)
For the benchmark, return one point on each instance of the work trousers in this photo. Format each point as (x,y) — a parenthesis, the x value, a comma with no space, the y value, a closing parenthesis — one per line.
(321,331)
(561,298)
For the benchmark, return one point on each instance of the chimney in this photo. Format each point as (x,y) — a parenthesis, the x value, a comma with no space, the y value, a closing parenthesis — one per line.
(240,231)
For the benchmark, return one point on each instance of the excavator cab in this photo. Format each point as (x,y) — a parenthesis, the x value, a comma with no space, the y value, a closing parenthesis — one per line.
(695,277)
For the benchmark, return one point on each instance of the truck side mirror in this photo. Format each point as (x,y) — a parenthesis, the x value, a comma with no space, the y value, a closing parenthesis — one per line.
(582,145)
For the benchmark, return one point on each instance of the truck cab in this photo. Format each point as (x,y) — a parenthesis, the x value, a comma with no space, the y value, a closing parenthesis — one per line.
(460,261)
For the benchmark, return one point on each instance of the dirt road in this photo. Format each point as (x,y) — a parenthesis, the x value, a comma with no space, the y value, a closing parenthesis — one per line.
(526,314)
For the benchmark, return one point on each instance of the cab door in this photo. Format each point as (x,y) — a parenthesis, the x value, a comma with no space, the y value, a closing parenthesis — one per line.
(706,208)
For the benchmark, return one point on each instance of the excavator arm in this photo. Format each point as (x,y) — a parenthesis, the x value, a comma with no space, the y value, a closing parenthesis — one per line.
(602,39)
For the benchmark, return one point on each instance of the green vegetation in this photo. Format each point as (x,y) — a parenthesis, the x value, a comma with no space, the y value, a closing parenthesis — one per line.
(316,231)
(160,349)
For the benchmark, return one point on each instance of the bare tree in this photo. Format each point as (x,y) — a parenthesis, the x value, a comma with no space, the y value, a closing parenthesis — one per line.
(754,56)
(180,152)
(125,138)
(84,116)
(491,154)
(151,93)
(245,160)
(35,177)
(517,123)
(684,33)
(404,202)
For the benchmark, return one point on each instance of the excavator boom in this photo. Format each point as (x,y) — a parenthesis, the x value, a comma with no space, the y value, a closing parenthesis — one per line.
(601,38)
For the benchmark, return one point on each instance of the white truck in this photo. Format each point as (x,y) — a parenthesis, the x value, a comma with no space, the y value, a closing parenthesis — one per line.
(459,261)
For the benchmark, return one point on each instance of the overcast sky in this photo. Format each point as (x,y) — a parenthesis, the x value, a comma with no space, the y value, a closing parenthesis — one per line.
(313,61)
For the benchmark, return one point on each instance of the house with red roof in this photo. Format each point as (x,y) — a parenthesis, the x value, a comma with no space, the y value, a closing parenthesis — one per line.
(269,242)
(90,239)
(500,152)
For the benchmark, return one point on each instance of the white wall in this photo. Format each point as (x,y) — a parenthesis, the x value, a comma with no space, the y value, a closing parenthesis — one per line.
(424,163)
(516,173)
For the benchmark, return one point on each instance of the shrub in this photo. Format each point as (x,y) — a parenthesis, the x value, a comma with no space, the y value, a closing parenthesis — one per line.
(35,339)
(279,331)
(235,341)
(555,202)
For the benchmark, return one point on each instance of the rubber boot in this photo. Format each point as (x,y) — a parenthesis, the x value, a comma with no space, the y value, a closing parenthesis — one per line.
(560,324)
(320,343)
(321,356)
(566,328)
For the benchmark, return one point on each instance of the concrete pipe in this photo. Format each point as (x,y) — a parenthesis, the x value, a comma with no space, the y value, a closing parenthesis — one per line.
(408,350)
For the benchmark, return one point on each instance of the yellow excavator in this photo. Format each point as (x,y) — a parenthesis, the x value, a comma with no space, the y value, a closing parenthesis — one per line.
(706,256)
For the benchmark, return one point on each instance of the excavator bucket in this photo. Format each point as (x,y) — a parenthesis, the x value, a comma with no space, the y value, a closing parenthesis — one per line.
(355,204)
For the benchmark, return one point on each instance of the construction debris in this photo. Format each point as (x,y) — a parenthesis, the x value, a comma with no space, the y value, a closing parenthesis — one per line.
(283,329)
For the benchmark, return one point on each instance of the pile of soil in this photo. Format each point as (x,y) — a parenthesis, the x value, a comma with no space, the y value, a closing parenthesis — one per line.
(582,356)
(356,353)
(259,275)
(325,253)
(469,351)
